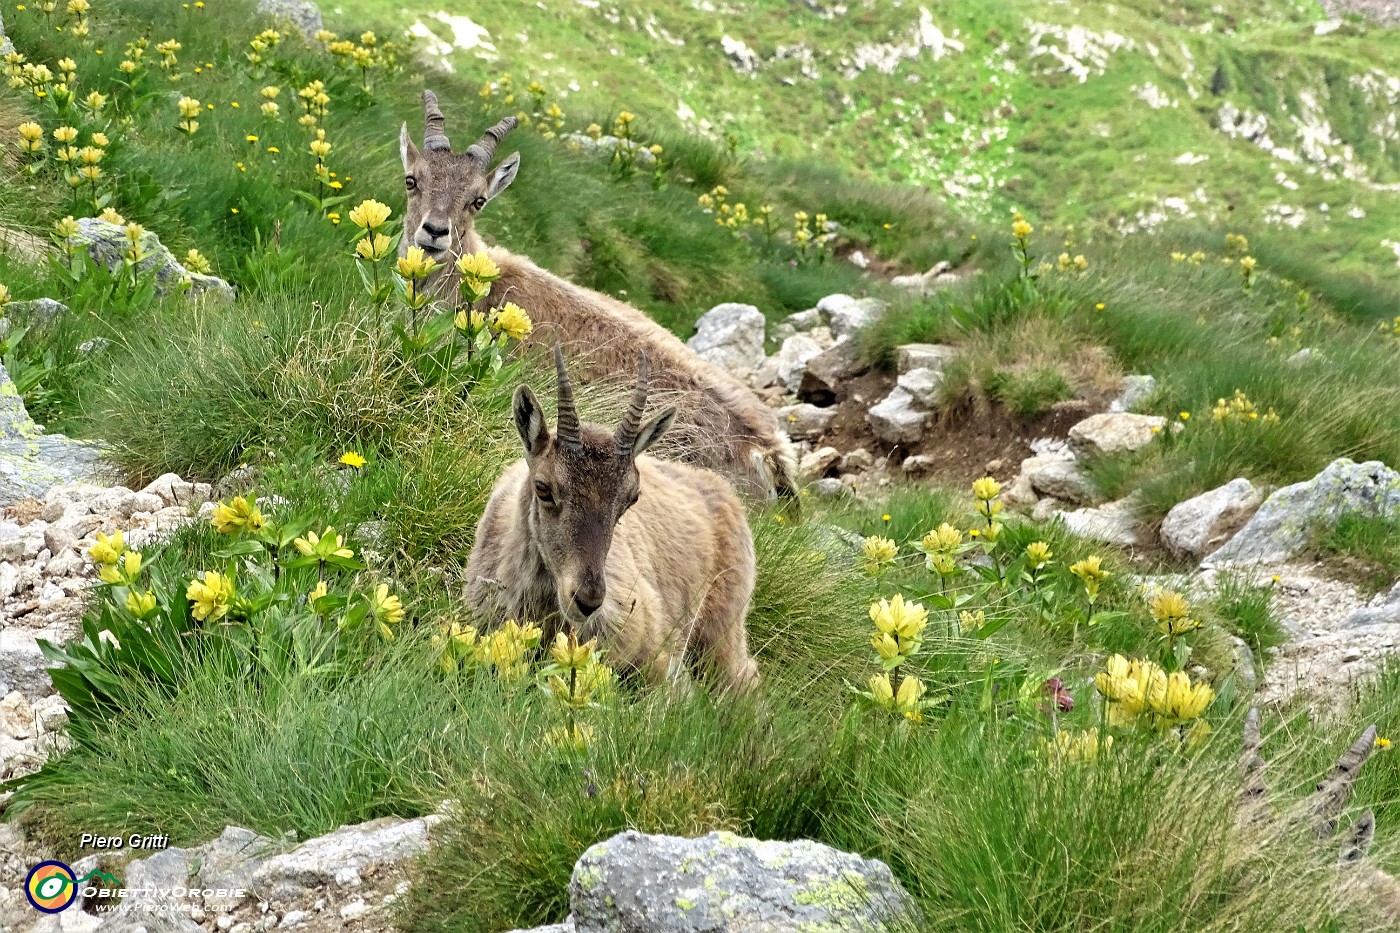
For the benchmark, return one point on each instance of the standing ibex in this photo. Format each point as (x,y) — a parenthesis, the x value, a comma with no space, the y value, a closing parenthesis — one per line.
(725,425)
(653,558)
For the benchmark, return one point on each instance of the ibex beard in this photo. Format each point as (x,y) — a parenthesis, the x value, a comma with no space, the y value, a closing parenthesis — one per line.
(586,533)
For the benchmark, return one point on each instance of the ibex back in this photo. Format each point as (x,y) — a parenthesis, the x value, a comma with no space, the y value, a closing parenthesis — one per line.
(653,558)
(724,425)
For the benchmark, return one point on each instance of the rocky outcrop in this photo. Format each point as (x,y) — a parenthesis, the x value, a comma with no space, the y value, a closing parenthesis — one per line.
(898,418)
(938,276)
(303,13)
(1202,523)
(6,46)
(1112,523)
(731,337)
(32,462)
(846,315)
(931,356)
(805,422)
(106,243)
(827,371)
(666,884)
(1133,391)
(1286,521)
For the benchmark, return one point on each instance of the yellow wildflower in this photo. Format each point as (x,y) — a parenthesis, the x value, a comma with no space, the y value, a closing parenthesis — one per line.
(107,550)
(986,488)
(895,616)
(1038,554)
(512,321)
(352,459)
(879,550)
(210,596)
(235,515)
(416,265)
(325,545)
(478,266)
(370,214)
(373,247)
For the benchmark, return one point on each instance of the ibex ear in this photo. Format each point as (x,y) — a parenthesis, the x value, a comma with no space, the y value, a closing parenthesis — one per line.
(407,151)
(529,421)
(651,431)
(503,175)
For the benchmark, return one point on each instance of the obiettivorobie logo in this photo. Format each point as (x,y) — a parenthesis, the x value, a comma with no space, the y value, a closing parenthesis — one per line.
(51,886)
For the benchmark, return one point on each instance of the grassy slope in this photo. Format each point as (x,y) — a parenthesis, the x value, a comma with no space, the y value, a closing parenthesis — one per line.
(1091,154)
(199,390)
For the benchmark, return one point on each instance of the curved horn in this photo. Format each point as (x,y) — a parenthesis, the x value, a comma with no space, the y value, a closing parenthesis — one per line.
(632,421)
(568,426)
(484,148)
(434,136)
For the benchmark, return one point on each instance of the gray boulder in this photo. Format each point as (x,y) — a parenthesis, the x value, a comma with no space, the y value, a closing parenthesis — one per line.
(790,363)
(1058,478)
(932,356)
(731,337)
(1286,521)
(305,14)
(846,315)
(44,310)
(32,462)
(22,665)
(805,422)
(897,418)
(828,371)
(1112,432)
(719,882)
(341,857)
(924,385)
(1112,523)
(1133,391)
(106,243)
(6,47)
(921,282)
(818,463)
(1201,524)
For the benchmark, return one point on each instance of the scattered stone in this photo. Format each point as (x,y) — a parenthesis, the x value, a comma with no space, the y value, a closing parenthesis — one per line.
(846,315)
(1112,432)
(303,13)
(1058,478)
(1113,523)
(857,461)
(790,363)
(919,465)
(897,419)
(22,664)
(724,882)
(171,490)
(16,716)
(731,337)
(106,243)
(818,463)
(804,421)
(828,371)
(6,47)
(923,384)
(1304,355)
(858,259)
(45,310)
(804,321)
(931,356)
(925,281)
(1194,528)
(1285,522)
(1046,509)
(831,487)
(741,58)
(354,910)
(1133,391)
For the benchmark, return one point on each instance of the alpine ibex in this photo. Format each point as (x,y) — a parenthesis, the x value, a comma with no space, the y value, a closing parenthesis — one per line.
(1379,889)
(653,558)
(725,426)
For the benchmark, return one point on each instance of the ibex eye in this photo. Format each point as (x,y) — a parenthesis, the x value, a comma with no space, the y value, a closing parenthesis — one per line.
(478,204)
(410,182)
(543,491)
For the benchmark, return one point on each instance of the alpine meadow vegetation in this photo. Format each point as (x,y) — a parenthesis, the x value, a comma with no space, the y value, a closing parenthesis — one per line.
(1029,735)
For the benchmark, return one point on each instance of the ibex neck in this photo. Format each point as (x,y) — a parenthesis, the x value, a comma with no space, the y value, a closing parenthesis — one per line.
(470,243)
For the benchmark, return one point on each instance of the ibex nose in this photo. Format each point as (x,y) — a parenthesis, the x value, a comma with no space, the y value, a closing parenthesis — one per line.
(434,230)
(587,601)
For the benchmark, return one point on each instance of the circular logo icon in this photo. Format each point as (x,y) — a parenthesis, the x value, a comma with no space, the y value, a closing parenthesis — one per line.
(50,887)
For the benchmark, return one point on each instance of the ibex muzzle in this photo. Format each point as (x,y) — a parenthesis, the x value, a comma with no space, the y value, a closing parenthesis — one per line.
(447,190)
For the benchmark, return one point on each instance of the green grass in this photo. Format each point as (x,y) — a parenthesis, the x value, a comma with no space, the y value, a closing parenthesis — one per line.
(1247,611)
(1370,545)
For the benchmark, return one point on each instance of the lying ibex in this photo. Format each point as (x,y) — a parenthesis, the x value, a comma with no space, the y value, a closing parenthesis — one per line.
(725,425)
(653,558)
(1379,889)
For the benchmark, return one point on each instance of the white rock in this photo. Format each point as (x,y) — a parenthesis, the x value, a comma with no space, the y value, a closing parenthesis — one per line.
(1112,432)
(1058,478)
(1201,524)
(804,421)
(16,716)
(21,542)
(818,463)
(805,320)
(22,664)
(923,384)
(792,360)
(1114,523)
(731,337)
(354,909)
(1134,390)
(923,281)
(931,356)
(846,315)
(857,461)
(919,465)
(897,419)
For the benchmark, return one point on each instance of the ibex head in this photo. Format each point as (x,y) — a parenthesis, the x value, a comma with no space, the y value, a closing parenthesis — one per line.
(582,479)
(446,190)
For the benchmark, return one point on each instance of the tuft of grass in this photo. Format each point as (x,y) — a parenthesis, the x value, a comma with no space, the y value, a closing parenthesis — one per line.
(1247,610)
(1370,546)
